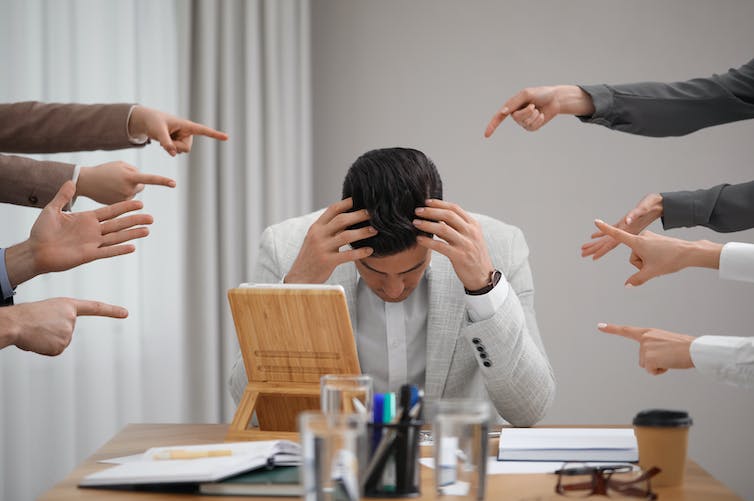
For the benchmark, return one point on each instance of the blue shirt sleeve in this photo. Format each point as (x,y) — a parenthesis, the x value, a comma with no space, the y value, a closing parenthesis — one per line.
(6,290)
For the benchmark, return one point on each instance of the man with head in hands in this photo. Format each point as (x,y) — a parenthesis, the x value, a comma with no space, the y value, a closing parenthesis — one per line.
(438,296)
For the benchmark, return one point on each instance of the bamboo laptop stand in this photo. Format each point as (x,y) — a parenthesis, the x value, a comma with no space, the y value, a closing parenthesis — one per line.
(290,335)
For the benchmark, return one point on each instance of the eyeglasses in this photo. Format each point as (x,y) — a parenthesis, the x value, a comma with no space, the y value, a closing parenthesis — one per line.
(618,480)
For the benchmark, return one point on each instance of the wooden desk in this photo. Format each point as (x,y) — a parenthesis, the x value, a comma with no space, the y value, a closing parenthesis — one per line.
(136,438)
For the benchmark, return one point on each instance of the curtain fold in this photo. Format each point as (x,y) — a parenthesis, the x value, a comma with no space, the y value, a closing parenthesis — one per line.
(170,360)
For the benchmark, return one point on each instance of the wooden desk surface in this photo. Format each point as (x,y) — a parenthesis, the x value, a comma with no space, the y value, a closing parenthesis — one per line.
(136,438)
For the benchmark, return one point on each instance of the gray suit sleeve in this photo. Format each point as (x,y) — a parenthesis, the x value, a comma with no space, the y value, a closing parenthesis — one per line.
(519,381)
(674,109)
(723,208)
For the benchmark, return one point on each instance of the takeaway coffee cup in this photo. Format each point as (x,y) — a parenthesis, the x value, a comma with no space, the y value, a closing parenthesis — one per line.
(662,436)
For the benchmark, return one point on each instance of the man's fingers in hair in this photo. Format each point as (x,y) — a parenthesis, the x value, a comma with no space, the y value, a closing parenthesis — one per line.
(349,236)
(334,209)
(353,254)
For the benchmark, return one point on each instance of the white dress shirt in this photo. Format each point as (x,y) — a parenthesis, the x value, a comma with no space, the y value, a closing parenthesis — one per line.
(391,338)
(729,358)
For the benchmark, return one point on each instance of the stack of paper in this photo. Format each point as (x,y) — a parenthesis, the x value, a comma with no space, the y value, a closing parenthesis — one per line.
(568,444)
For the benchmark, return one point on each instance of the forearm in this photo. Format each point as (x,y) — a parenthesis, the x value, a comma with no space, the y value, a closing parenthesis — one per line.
(519,379)
(725,358)
(30,182)
(700,254)
(33,127)
(20,263)
(8,327)
(723,208)
(573,100)
(674,109)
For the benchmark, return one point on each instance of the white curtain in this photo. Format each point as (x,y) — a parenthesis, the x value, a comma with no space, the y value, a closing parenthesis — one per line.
(240,66)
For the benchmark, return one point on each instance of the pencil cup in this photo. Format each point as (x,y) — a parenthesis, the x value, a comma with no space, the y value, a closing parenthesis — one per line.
(460,430)
(393,467)
(334,455)
(346,393)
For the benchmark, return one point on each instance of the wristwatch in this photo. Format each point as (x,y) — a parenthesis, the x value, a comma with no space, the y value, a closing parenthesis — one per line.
(495,276)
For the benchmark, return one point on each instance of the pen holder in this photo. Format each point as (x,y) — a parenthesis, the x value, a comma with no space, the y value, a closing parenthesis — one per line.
(393,467)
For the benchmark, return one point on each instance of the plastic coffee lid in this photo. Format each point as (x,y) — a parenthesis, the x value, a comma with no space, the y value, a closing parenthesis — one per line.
(663,418)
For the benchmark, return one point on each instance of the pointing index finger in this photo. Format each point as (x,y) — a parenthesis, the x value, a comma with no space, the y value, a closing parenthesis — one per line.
(98,309)
(142,178)
(618,234)
(203,130)
(626,331)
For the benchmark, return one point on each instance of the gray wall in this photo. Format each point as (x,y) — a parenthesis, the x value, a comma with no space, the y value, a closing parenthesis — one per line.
(429,74)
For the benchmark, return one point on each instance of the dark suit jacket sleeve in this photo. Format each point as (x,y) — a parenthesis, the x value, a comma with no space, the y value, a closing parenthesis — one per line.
(723,208)
(32,127)
(33,183)
(674,109)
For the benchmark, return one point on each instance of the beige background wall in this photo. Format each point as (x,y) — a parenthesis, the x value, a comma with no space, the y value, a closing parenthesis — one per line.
(429,74)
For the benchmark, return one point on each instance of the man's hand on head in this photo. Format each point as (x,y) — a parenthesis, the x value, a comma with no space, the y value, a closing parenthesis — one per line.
(462,241)
(321,251)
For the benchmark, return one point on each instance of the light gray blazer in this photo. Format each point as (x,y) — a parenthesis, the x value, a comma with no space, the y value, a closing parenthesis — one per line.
(519,382)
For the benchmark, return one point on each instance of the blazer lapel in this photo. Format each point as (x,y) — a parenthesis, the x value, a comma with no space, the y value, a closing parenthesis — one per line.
(444,322)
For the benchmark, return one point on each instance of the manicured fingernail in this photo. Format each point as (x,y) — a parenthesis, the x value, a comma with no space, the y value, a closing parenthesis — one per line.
(372,230)
(628,285)
(505,110)
(629,220)
(599,221)
(419,210)
(418,222)
(601,325)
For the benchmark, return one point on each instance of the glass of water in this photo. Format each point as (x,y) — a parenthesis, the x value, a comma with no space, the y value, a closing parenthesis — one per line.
(460,430)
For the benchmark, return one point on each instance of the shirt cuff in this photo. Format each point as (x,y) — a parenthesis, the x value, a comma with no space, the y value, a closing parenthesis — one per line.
(484,307)
(141,138)
(737,262)
(727,358)
(5,288)
(602,99)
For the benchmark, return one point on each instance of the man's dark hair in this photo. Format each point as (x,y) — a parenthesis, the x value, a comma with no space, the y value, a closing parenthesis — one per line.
(390,183)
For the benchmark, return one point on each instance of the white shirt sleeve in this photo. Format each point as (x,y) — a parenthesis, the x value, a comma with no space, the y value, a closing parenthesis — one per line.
(737,262)
(484,307)
(136,140)
(725,358)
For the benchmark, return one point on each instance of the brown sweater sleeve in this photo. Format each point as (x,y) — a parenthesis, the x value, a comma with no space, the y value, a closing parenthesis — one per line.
(33,183)
(33,127)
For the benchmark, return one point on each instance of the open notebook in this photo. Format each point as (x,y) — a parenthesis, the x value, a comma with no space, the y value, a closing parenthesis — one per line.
(198,463)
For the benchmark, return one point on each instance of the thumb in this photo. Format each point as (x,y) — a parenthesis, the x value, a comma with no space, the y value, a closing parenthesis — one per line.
(63,197)
(638,278)
(163,136)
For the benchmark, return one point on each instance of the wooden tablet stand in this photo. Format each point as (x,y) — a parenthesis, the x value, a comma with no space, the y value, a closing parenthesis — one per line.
(289,337)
